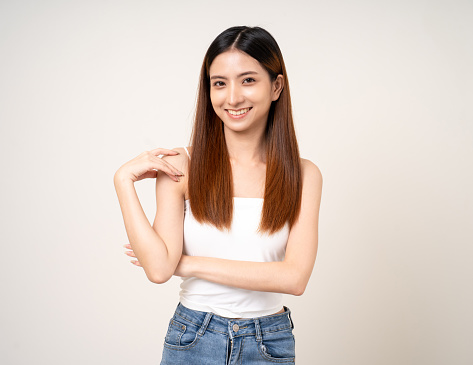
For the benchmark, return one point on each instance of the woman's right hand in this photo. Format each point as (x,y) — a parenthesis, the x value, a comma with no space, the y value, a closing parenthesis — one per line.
(146,165)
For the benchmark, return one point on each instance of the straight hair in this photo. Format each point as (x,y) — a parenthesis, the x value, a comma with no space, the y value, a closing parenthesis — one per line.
(210,182)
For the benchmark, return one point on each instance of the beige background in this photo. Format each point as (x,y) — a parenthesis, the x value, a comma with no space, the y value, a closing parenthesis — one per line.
(382,94)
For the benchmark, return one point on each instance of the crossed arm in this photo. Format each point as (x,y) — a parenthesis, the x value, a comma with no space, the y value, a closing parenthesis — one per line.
(289,276)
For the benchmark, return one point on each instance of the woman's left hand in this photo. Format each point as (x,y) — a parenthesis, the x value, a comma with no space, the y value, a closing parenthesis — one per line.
(131,253)
(182,269)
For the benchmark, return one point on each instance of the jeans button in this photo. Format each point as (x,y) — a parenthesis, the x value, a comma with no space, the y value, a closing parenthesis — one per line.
(236,327)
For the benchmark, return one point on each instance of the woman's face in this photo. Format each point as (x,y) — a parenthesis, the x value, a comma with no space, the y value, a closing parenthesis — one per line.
(241,91)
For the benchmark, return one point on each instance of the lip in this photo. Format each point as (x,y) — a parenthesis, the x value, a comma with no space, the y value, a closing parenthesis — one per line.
(238,116)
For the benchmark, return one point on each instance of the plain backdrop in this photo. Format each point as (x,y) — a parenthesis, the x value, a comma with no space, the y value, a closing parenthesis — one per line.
(382,99)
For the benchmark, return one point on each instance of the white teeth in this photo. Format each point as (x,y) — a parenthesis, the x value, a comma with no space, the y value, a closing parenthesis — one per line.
(239,112)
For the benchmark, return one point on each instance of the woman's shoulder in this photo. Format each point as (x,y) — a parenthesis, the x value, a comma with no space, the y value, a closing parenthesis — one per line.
(311,174)
(180,161)
(310,167)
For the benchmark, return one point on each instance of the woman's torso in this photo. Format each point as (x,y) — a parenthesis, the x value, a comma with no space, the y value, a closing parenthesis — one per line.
(243,243)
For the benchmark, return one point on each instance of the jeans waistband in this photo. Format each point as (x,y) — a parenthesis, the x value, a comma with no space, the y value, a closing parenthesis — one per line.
(236,327)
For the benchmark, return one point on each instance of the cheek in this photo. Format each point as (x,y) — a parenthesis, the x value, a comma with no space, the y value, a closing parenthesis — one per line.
(259,95)
(215,98)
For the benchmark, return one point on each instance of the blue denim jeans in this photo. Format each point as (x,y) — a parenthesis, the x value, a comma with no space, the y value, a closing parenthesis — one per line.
(204,338)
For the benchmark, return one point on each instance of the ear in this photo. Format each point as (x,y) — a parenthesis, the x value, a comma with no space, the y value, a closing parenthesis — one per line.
(277,87)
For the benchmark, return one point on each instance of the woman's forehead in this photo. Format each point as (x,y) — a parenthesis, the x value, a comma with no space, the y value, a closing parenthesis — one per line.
(233,63)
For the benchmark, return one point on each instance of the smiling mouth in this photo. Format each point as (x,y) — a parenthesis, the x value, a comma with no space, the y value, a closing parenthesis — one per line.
(239,111)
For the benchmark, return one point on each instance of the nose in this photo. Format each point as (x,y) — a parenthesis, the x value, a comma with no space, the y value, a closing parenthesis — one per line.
(235,95)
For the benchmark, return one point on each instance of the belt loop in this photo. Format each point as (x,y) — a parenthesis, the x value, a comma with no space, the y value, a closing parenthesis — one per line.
(258,330)
(289,315)
(207,318)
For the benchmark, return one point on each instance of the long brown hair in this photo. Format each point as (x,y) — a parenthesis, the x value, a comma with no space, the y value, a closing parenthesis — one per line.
(210,182)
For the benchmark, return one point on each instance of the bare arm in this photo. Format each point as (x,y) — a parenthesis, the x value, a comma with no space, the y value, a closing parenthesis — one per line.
(157,247)
(277,277)
(290,276)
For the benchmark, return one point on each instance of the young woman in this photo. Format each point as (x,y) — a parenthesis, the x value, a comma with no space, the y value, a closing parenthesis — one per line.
(241,224)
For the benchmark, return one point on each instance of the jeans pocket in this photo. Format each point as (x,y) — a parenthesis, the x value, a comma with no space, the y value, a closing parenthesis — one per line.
(278,346)
(181,333)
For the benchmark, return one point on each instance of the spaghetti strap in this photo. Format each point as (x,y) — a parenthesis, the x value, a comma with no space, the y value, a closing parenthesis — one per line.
(187,152)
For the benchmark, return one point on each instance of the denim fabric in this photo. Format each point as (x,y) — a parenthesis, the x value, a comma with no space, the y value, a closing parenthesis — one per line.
(204,338)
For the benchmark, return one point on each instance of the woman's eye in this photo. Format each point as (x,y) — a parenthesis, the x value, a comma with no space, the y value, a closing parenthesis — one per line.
(217,83)
(249,78)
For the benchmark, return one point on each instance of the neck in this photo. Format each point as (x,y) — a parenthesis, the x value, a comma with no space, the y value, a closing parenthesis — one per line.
(246,149)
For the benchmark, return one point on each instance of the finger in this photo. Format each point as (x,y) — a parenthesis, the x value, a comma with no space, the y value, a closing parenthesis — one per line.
(170,168)
(158,164)
(135,262)
(164,151)
(130,253)
(174,175)
(127,245)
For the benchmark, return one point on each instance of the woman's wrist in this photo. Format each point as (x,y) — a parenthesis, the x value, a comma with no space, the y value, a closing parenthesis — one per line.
(120,179)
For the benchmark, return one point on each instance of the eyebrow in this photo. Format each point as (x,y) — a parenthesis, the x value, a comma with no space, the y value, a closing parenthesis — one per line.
(240,75)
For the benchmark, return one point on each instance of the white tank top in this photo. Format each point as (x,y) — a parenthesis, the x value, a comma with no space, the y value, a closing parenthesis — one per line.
(242,243)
